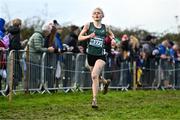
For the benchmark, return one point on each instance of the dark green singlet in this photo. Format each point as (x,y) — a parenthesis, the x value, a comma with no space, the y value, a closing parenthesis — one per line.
(96,44)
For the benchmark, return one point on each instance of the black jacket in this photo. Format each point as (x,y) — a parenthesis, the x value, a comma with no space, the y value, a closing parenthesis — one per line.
(71,40)
(14,43)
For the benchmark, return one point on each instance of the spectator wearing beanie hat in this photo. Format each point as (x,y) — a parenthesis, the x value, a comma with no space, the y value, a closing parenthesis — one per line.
(36,43)
(36,49)
(46,29)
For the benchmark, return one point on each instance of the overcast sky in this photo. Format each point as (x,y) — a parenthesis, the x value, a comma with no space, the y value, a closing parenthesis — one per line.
(151,15)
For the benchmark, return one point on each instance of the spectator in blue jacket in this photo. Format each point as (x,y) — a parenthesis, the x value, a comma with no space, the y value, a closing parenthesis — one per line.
(2,29)
(59,46)
(163,49)
(164,62)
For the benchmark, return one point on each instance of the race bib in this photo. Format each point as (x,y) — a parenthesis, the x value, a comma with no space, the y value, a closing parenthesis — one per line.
(96,41)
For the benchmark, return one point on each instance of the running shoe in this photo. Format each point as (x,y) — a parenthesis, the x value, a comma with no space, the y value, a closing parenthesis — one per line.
(94,104)
(106,85)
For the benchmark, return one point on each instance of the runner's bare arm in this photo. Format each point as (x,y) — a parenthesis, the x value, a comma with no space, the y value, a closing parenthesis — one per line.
(82,35)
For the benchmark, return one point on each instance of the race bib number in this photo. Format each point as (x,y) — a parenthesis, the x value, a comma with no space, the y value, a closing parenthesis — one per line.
(97,42)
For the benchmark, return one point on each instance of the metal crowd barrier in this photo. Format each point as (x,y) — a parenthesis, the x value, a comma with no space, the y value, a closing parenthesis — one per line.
(159,75)
(82,73)
(18,72)
(3,71)
(150,76)
(177,75)
(167,70)
(119,75)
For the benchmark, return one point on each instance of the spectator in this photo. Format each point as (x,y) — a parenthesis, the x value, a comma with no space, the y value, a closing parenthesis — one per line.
(36,43)
(173,52)
(163,49)
(59,46)
(82,44)
(2,46)
(15,44)
(149,60)
(174,62)
(164,58)
(134,47)
(148,47)
(72,38)
(36,48)
(177,67)
(2,29)
(15,36)
(125,49)
(71,41)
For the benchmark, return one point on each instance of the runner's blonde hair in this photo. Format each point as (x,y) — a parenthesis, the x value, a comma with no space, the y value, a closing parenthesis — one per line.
(98,8)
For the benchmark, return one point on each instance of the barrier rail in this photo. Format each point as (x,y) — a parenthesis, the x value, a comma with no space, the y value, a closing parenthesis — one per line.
(22,73)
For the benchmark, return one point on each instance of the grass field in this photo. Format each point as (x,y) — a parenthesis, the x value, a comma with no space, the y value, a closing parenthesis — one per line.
(116,105)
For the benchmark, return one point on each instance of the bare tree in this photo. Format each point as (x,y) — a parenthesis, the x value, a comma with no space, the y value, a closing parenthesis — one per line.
(5,11)
(177,23)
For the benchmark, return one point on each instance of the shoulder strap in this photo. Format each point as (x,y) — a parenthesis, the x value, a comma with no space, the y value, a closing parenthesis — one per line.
(90,23)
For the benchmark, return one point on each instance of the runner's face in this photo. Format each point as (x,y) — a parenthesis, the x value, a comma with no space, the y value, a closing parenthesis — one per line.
(97,15)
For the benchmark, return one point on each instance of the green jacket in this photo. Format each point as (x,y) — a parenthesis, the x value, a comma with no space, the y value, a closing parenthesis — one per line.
(36,46)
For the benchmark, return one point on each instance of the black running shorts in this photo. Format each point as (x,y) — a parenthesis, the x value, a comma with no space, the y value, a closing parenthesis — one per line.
(91,59)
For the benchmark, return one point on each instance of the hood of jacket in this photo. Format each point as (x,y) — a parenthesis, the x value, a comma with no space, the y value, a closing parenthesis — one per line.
(14,30)
(2,23)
